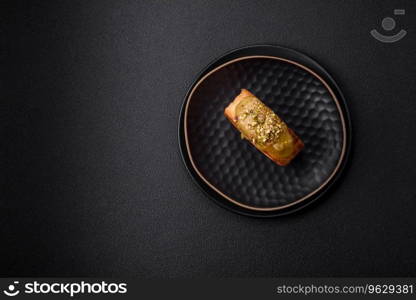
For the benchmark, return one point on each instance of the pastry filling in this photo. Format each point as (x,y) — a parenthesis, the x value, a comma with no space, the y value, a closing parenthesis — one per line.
(263,127)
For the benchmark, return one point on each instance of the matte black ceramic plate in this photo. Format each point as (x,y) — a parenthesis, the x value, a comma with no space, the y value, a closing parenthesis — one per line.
(230,169)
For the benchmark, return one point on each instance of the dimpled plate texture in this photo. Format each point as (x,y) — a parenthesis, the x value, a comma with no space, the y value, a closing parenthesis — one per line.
(236,168)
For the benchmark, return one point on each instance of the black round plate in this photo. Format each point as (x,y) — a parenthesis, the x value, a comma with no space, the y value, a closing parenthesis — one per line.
(234,173)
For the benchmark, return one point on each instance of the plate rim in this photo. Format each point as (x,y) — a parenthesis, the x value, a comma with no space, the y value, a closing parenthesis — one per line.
(336,96)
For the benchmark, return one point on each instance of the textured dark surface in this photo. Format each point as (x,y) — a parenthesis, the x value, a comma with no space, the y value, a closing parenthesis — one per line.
(233,165)
(92,182)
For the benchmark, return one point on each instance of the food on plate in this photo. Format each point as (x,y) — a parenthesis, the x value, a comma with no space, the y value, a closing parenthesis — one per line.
(263,128)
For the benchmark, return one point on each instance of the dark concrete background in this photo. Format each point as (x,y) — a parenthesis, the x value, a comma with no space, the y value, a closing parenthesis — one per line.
(92,183)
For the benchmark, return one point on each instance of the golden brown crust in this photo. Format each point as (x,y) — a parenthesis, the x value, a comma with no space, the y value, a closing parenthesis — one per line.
(230,113)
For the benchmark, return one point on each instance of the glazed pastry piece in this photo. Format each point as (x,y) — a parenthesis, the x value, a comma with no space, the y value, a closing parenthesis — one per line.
(263,128)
